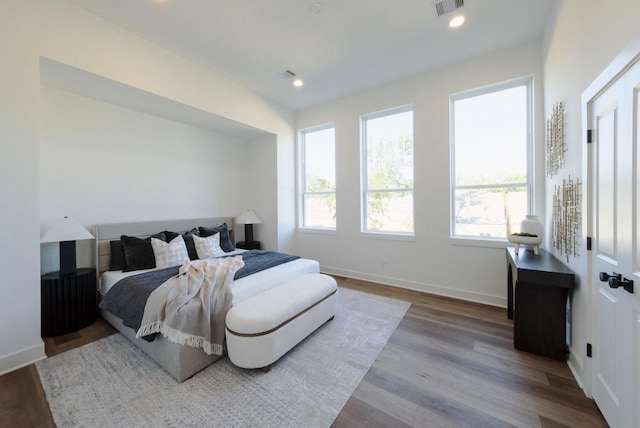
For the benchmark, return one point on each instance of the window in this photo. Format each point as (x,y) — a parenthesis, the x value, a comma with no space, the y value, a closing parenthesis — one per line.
(490,146)
(387,196)
(318,207)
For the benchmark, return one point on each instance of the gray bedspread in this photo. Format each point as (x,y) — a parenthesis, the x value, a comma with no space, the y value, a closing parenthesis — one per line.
(128,297)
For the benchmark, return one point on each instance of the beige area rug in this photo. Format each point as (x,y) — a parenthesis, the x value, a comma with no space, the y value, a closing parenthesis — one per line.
(112,383)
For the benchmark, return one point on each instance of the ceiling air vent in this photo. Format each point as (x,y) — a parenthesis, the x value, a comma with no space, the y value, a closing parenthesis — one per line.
(287,74)
(443,7)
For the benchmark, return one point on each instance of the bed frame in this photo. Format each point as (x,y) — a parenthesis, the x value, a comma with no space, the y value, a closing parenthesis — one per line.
(181,362)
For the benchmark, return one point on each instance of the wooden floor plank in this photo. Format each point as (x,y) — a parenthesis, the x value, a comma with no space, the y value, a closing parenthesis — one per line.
(427,382)
(96,331)
(384,401)
(525,359)
(439,396)
(363,415)
(23,403)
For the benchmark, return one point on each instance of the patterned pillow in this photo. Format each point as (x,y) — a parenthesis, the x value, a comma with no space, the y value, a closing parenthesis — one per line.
(226,242)
(170,254)
(208,247)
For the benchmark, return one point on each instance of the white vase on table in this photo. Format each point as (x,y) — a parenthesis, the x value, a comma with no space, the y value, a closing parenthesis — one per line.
(532,225)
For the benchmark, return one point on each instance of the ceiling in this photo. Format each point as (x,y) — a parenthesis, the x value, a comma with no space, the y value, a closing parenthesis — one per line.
(337,47)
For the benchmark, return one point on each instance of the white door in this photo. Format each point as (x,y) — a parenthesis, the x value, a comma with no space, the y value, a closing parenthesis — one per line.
(614,198)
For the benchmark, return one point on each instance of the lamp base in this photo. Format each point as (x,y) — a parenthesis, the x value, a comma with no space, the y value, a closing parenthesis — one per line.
(248,232)
(67,257)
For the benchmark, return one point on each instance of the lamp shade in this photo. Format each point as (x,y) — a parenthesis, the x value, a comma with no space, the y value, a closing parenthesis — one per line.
(66,229)
(248,217)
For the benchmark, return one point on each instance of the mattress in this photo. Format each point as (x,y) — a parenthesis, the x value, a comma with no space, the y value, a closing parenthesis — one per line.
(242,288)
(111,277)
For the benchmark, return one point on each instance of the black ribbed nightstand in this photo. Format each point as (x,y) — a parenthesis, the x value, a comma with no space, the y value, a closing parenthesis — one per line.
(68,302)
(248,245)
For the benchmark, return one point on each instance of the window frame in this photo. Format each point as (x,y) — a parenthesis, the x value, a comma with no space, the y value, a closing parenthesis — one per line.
(529,184)
(371,233)
(302,179)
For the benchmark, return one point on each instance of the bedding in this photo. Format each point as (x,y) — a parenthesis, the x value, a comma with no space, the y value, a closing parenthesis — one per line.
(117,255)
(138,253)
(225,236)
(179,361)
(208,247)
(128,297)
(170,253)
(188,241)
(190,308)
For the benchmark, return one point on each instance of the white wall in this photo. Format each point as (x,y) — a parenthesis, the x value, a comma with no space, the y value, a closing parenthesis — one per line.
(585,38)
(19,249)
(432,262)
(261,166)
(102,163)
(58,30)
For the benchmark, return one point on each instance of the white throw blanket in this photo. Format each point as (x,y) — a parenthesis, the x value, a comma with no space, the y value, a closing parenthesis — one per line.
(189,309)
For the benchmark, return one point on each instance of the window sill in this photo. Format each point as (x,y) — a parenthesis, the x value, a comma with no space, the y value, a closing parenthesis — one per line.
(317,231)
(480,242)
(388,236)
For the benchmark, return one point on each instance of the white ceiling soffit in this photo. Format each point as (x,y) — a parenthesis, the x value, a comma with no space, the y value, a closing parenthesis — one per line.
(337,47)
(61,76)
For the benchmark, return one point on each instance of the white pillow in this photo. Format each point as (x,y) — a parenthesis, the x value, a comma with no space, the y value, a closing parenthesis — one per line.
(209,247)
(169,254)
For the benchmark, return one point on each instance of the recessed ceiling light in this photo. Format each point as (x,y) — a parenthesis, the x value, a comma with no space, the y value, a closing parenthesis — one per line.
(298,83)
(456,21)
(316,7)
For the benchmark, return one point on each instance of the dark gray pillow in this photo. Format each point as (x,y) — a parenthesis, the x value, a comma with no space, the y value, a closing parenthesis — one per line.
(138,253)
(225,237)
(117,261)
(188,241)
(170,236)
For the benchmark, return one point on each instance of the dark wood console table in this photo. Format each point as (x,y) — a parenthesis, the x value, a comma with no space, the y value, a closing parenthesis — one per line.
(538,288)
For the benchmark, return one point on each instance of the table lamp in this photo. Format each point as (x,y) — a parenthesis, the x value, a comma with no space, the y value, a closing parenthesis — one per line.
(248,218)
(66,231)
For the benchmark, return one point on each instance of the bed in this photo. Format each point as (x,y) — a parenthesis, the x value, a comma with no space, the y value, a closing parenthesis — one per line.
(181,362)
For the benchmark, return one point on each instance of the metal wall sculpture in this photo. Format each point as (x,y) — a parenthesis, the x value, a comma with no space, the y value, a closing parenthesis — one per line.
(555,144)
(566,216)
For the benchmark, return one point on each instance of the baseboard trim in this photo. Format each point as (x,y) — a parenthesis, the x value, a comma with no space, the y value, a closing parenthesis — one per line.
(23,358)
(470,296)
(577,377)
(578,370)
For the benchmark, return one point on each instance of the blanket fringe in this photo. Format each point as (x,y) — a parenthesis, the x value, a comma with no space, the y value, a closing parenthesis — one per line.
(181,338)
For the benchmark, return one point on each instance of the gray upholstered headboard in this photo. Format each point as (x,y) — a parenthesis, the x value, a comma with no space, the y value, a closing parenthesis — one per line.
(105,233)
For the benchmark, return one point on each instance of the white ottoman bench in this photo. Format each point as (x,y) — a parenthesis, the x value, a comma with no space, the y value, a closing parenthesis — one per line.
(264,327)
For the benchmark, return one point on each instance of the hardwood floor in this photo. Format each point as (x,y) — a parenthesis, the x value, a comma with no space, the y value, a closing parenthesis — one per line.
(448,364)
(451,363)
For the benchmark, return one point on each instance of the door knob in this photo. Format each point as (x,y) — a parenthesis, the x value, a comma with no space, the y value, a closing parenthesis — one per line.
(605,277)
(617,280)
